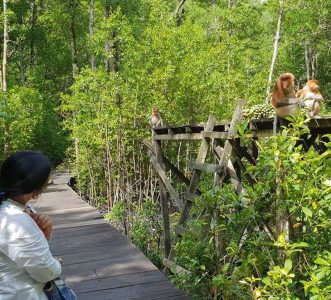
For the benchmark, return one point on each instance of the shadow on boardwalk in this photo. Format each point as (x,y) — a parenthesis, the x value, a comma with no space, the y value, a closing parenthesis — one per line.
(99,262)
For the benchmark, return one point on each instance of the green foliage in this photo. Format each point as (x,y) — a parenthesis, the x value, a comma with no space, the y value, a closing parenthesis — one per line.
(220,253)
(318,287)
(30,122)
(146,231)
(146,228)
(219,52)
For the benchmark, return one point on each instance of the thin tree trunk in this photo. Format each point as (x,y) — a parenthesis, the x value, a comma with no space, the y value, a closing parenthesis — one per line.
(91,30)
(5,46)
(107,42)
(276,45)
(282,216)
(314,65)
(22,63)
(33,25)
(229,52)
(4,71)
(108,178)
(307,59)
(179,12)
(73,40)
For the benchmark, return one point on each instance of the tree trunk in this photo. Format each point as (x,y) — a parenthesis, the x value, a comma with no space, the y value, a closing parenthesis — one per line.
(91,30)
(307,60)
(5,45)
(73,40)
(314,65)
(276,45)
(33,25)
(107,42)
(228,56)
(22,63)
(179,12)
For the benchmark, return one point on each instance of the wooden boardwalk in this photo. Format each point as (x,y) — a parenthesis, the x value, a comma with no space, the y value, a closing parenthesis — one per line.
(99,262)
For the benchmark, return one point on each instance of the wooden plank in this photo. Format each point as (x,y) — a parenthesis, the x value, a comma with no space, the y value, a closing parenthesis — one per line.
(234,178)
(175,268)
(79,223)
(97,258)
(231,134)
(118,281)
(255,150)
(214,134)
(163,183)
(107,267)
(150,291)
(261,128)
(169,165)
(196,173)
(91,254)
(166,182)
(177,137)
(84,230)
(211,168)
(69,242)
(224,160)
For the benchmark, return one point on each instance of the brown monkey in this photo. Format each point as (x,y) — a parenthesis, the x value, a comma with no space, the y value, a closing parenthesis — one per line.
(155,119)
(283,96)
(312,97)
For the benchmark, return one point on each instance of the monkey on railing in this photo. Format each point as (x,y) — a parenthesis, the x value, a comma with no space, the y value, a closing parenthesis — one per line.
(155,119)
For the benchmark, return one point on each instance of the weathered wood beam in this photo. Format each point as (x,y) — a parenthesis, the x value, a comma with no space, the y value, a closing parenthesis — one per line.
(166,182)
(231,171)
(248,177)
(227,150)
(190,136)
(169,165)
(196,173)
(204,167)
(177,137)
(163,199)
(255,150)
(224,160)
(175,268)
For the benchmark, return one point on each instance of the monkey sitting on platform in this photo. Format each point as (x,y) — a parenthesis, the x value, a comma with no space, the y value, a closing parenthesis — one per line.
(155,119)
(283,97)
(312,97)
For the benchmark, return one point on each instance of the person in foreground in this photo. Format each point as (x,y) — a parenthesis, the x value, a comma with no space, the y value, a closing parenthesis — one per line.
(26,263)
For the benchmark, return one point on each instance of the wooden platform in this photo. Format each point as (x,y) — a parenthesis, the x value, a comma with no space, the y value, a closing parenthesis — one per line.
(99,262)
(258,127)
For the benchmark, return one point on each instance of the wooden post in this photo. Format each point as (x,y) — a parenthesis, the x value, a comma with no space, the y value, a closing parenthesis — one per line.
(255,150)
(224,163)
(164,202)
(196,173)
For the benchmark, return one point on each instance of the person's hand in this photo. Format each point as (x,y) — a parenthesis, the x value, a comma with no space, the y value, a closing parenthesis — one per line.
(60,260)
(45,223)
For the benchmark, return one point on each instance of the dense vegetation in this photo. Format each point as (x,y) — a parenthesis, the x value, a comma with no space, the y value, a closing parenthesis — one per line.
(79,79)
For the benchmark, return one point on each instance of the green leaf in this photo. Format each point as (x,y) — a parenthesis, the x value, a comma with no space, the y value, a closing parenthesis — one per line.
(307,211)
(288,264)
(321,262)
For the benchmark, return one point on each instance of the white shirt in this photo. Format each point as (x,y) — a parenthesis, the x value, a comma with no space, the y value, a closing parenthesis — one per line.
(26,262)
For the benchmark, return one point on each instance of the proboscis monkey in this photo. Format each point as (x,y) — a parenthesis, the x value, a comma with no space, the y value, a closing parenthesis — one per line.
(156,119)
(283,96)
(311,96)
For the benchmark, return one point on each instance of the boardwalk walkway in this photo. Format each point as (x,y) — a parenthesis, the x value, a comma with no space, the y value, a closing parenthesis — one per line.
(99,262)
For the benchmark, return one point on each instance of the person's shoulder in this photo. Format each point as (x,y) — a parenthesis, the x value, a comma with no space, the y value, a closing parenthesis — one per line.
(18,221)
